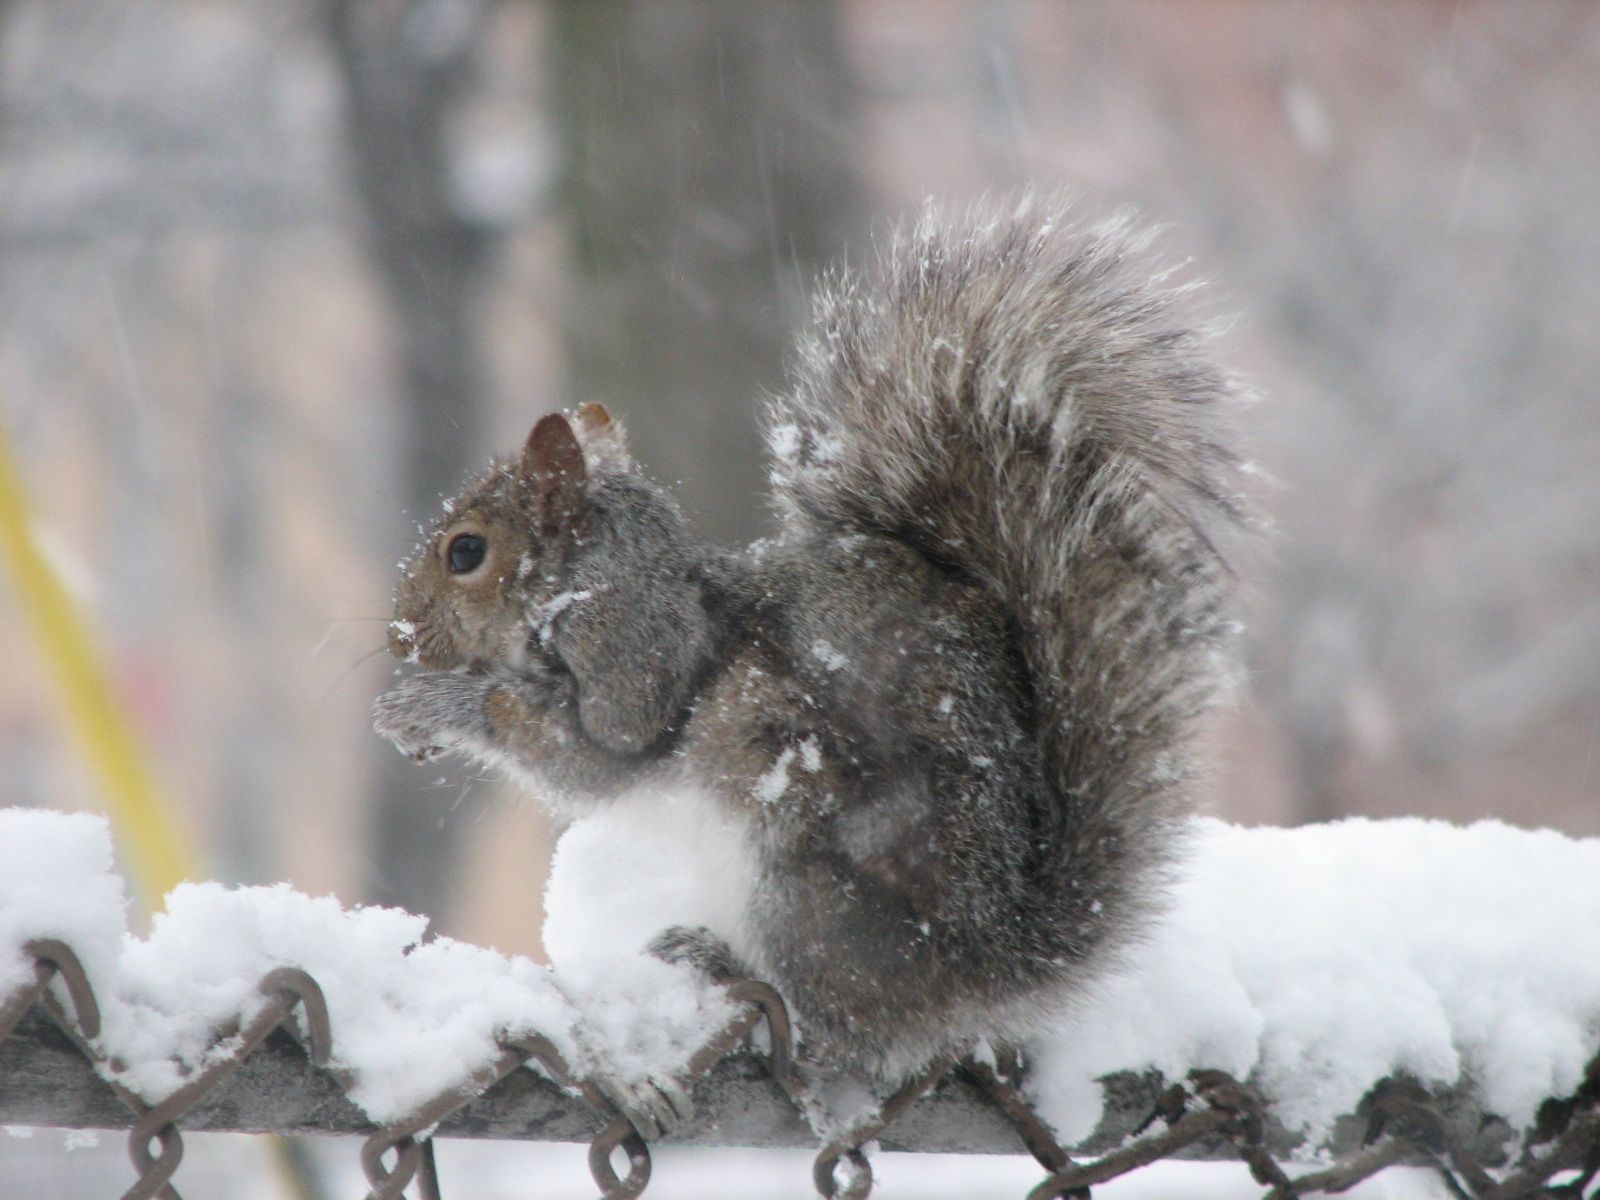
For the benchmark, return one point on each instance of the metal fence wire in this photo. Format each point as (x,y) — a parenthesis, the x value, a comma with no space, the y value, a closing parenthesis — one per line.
(1211,1114)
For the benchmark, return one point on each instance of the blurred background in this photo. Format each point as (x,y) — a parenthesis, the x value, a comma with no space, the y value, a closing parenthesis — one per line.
(274,277)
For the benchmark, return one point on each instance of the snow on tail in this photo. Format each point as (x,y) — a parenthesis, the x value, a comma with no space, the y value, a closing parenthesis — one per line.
(1015,395)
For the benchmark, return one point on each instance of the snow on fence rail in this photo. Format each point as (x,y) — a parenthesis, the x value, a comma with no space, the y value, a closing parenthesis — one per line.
(262,1010)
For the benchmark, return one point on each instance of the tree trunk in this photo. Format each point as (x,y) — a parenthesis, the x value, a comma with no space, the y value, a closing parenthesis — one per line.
(708,153)
(403,67)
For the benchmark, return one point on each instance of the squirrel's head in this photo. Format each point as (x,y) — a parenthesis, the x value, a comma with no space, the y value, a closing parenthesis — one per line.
(502,547)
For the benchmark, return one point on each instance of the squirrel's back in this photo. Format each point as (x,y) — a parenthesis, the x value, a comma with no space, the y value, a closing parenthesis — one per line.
(1015,396)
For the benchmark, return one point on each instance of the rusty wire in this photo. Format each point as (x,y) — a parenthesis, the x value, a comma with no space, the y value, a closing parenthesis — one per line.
(1404,1121)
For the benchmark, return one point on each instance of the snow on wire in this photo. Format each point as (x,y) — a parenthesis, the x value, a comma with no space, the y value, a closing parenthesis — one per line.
(1321,1003)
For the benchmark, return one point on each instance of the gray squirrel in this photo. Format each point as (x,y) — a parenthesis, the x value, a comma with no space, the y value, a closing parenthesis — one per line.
(952,704)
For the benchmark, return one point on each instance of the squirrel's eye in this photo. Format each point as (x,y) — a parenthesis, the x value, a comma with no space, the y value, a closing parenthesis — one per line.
(465,553)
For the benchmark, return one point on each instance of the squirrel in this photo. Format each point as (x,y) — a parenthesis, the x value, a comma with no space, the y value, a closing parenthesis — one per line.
(953,703)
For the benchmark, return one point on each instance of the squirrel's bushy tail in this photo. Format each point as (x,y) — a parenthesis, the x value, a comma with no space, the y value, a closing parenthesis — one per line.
(1014,395)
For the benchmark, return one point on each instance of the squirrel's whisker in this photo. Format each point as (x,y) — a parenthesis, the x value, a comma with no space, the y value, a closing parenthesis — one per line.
(345,674)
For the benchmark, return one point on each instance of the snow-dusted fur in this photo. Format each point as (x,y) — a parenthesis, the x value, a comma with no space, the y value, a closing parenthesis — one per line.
(950,709)
(1015,396)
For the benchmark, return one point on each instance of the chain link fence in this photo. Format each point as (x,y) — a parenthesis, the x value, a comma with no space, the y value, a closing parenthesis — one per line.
(273,1076)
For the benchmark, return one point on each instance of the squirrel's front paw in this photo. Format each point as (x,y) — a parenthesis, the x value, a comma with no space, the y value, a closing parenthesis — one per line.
(428,715)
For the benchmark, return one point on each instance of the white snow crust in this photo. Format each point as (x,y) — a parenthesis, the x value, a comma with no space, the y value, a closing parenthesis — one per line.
(620,876)
(56,881)
(1325,957)
(409,1019)
(1316,960)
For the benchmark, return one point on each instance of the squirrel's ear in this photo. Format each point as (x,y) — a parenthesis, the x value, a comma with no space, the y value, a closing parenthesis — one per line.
(552,466)
(593,417)
(602,436)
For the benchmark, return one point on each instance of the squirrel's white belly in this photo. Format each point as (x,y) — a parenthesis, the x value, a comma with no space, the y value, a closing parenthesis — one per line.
(650,859)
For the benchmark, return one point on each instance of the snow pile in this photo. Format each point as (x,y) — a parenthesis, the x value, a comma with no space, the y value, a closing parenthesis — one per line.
(409,1020)
(1321,959)
(619,877)
(56,881)
(1317,960)
(1314,960)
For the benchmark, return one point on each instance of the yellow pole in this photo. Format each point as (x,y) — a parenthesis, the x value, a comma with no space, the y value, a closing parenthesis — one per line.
(159,854)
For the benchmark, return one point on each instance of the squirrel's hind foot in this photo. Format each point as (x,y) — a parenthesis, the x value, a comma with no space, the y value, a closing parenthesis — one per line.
(699,948)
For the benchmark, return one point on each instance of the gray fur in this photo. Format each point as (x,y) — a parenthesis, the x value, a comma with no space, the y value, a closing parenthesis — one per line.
(1010,396)
(956,697)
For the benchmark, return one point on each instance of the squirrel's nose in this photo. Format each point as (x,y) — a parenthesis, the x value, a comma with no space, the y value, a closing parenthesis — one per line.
(403,640)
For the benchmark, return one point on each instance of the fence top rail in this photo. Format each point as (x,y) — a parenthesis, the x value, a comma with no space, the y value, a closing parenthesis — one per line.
(46,1080)
(260,1009)
(276,1080)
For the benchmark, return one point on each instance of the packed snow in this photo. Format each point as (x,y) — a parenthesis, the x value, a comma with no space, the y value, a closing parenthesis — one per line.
(619,877)
(1320,959)
(56,881)
(1314,960)
(410,1018)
